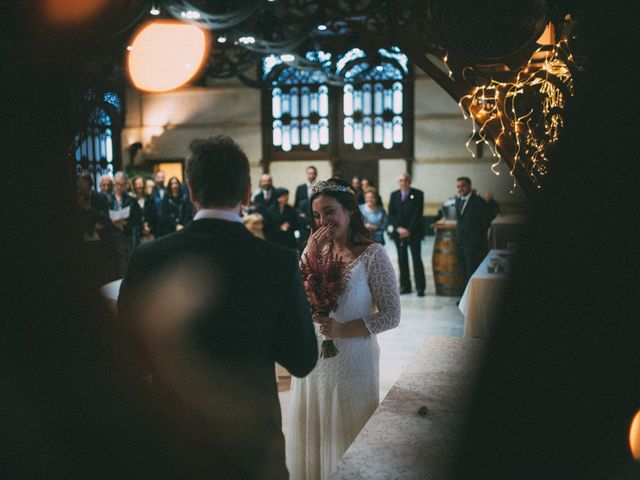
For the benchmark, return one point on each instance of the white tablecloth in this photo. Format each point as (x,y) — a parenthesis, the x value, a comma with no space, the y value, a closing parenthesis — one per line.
(482,296)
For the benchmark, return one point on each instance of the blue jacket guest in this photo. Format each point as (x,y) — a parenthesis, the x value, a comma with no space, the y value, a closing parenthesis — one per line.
(405,216)
(375,218)
(234,305)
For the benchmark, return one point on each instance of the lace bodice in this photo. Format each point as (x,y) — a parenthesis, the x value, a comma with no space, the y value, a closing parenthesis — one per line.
(379,304)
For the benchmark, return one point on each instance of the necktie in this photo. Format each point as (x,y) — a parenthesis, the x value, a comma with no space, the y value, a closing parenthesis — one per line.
(403,197)
(463,202)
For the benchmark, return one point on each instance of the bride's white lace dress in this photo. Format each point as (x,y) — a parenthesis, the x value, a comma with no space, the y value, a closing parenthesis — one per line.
(331,405)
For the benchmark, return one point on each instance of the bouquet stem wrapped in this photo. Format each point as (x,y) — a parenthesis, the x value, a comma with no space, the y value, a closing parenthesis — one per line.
(324,279)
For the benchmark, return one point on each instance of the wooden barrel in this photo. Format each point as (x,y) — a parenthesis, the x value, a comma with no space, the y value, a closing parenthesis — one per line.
(446,274)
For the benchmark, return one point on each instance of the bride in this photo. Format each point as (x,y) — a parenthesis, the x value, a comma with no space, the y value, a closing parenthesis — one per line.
(332,404)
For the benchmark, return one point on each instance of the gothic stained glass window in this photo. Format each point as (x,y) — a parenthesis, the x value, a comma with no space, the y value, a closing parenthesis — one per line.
(95,146)
(299,108)
(355,105)
(373,101)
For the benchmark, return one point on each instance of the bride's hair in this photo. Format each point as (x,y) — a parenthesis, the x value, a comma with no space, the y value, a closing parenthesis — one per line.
(343,193)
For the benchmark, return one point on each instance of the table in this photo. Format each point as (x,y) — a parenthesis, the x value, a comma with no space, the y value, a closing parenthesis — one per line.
(397,443)
(482,296)
(505,229)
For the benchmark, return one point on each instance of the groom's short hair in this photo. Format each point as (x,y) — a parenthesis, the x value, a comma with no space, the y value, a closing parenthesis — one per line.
(218,171)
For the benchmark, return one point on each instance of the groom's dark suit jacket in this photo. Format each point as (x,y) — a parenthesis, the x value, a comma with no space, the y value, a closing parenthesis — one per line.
(255,313)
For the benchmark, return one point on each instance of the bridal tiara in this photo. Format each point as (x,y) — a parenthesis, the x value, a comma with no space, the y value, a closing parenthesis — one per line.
(328,186)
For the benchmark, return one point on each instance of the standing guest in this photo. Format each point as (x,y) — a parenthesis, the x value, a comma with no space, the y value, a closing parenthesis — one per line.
(492,205)
(95,228)
(281,221)
(158,194)
(471,229)
(147,206)
(405,216)
(249,312)
(148,187)
(126,219)
(303,206)
(263,198)
(303,191)
(106,186)
(178,211)
(375,218)
(356,185)
(255,224)
(332,404)
(365,185)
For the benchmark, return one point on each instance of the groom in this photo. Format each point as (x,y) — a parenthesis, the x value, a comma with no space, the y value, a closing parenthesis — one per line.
(245,309)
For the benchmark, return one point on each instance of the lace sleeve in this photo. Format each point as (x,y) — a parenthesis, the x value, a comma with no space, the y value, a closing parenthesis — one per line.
(384,290)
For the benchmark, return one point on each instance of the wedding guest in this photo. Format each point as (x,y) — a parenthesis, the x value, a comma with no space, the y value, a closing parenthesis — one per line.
(158,193)
(126,229)
(281,221)
(471,228)
(148,208)
(255,224)
(264,198)
(331,405)
(148,187)
(405,216)
(357,187)
(245,310)
(95,227)
(106,185)
(177,211)
(375,218)
(303,191)
(365,185)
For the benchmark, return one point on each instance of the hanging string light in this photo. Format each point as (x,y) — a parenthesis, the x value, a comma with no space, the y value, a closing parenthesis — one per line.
(527,112)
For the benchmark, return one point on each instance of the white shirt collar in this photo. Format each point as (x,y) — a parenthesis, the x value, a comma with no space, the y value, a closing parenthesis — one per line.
(218,214)
(466,197)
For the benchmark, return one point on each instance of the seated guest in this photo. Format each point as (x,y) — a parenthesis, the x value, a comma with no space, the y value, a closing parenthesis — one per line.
(282,220)
(148,207)
(375,218)
(254,223)
(127,225)
(178,210)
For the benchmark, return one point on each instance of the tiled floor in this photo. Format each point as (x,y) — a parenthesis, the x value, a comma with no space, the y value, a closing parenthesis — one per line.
(427,316)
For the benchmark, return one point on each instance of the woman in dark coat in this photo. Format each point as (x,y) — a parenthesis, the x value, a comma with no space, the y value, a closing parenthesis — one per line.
(178,210)
(281,221)
(148,207)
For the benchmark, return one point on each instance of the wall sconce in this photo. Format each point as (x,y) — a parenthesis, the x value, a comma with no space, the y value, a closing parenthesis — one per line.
(166,54)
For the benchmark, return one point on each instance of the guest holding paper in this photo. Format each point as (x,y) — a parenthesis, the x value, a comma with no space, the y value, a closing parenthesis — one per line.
(178,210)
(126,219)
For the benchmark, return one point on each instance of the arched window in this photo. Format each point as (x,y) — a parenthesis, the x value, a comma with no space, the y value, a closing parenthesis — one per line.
(97,144)
(355,105)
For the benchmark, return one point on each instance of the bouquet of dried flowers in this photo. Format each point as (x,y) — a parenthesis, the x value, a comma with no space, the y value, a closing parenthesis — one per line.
(324,278)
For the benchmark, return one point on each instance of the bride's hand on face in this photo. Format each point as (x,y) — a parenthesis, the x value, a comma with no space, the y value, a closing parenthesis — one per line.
(322,236)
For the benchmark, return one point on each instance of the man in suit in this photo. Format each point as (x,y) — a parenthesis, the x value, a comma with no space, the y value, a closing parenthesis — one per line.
(303,191)
(405,217)
(248,311)
(264,197)
(471,230)
(303,206)
(157,194)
